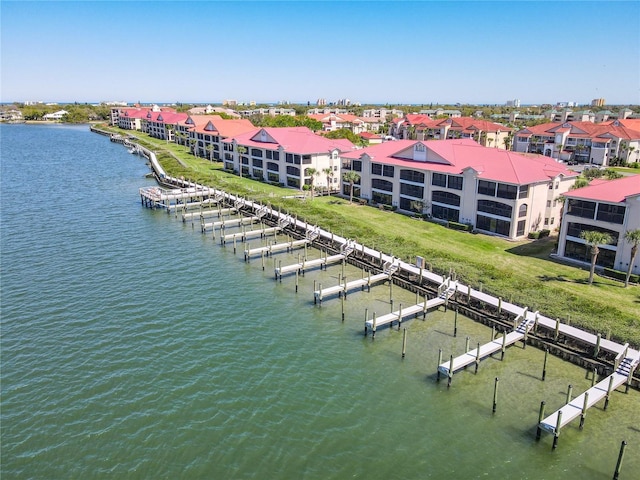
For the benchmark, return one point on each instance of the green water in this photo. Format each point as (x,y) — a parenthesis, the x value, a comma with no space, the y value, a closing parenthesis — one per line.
(133,346)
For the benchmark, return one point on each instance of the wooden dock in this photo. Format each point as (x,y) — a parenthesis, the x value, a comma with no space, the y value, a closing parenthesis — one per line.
(625,364)
(157,197)
(232,222)
(209,213)
(344,288)
(398,316)
(524,325)
(305,264)
(244,235)
(276,247)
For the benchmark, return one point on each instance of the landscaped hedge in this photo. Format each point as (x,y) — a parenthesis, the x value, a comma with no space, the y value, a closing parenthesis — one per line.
(460,226)
(540,234)
(618,275)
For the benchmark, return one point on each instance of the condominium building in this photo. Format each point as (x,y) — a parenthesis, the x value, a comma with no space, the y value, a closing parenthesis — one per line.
(423,127)
(582,142)
(357,125)
(493,190)
(610,206)
(286,156)
(205,133)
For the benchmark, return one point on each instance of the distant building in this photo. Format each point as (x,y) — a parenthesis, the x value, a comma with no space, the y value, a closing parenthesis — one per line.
(55,117)
(610,206)
(321,102)
(513,103)
(332,121)
(230,103)
(272,112)
(582,142)
(598,102)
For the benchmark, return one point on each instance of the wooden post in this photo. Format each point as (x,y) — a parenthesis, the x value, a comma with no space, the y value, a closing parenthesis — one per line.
(262,255)
(296,281)
(583,414)
(320,292)
(557,332)
(469,295)
(609,388)
(544,365)
(540,417)
(504,344)
(373,329)
(466,344)
(493,332)
(616,474)
(399,317)
(556,432)
(569,391)
(597,349)
(499,306)
(315,298)
(450,372)
(455,325)
(366,317)
(477,358)
(342,305)
(404,342)
(280,269)
(424,308)
(495,395)
(594,376)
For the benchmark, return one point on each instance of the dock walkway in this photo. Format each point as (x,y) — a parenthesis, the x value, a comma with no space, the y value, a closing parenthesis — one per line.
(626,362)
(474,356)
(445,292)
(346,287)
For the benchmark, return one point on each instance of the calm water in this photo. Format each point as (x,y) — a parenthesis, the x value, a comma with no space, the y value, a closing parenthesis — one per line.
(135,347)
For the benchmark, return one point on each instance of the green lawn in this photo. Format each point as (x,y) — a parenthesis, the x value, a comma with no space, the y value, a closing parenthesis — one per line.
(519,271)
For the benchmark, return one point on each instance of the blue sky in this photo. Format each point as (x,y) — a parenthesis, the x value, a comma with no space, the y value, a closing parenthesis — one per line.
(368,51)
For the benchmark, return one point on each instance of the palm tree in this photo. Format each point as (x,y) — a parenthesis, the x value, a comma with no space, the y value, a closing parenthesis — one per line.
(209,148)
(633,237)
(311,172)
(329,174)
(594,239)
(241,151)
(351,177)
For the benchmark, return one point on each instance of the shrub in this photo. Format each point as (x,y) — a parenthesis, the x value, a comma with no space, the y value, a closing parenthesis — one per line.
(618,275)
(635,165)
(534,235)
(459,226)
(544,233)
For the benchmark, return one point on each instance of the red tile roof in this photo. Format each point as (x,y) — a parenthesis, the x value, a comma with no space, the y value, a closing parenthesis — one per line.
(586,129)
(455,156)
(293,139)
(613,191)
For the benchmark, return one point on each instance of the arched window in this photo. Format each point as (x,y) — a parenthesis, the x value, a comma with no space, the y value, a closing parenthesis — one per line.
(522,211)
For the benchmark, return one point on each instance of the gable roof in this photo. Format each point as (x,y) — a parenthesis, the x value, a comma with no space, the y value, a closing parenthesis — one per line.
(617,129)
(613,191)
(456,156)
(292,139)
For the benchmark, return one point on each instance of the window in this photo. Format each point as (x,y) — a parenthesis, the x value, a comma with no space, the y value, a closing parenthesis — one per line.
(611,213)
(257,173)
(273,177)
(306,159)
(257,163)
(522,211)
(269,154)
(439,180)
(276,155)
(256,152)
(520,228)
(383,198)
(445,213)
(388,171)
(381,184)
(487,188)
(574,229)
(581,208)
(580,251)
(495,208)
(296,159)
(412,176)
(293,171)
(376,169)
(411,190)
(454,182)
(548,203)
(445,197)
(507,191)
(289,157)
(272,166)
(411,205)
(494,225)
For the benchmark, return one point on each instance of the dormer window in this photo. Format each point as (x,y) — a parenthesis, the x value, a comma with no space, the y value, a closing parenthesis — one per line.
(419,147)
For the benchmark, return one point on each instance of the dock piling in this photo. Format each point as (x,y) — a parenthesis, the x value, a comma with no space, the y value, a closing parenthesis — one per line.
(404,342)
(477,358)
(569,392)
(450,372)
(544,365)
(495,395)
(556,432)
(455,326)
(540,417)
(342,305)
(439,362)
(609,388)
(583,415)
(616,474)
